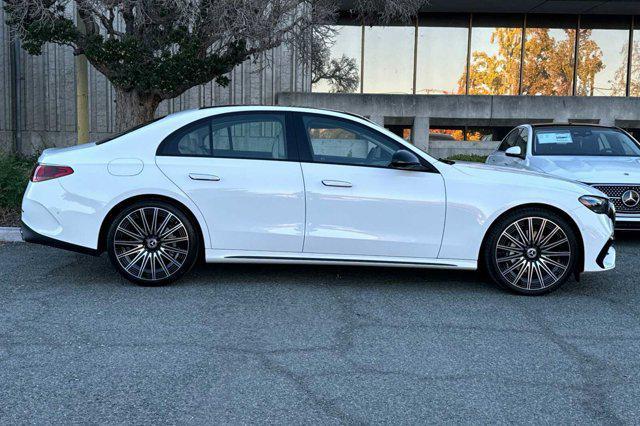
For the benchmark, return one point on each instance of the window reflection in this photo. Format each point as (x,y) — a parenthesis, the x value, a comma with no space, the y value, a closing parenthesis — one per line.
(343,56)
(442,58)
(602,52)
(388,59)
(548,62)
(446,134)
(495,61)
(635,65)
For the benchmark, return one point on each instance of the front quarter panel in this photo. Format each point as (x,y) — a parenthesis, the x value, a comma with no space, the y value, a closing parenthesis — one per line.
(475,201)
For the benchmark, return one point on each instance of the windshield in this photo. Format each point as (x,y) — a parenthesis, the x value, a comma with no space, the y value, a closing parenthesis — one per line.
(585,141)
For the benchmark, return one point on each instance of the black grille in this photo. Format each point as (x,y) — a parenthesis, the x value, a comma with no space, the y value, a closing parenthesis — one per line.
(614,192)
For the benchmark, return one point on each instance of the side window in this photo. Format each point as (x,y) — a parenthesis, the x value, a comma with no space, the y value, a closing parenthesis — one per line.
(195,141)
(259,136)
(341,142)
(509,140)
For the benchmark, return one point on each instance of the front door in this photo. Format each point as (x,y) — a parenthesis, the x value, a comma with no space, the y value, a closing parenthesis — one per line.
(237,170)
(356,204)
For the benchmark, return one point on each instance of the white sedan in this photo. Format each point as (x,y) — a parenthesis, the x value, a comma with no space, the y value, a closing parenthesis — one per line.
(607,158)
(296,185)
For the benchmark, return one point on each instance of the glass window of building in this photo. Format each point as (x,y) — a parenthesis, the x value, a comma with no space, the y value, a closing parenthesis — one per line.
(388,59)
(495,55)
(602,56)
(345,53)
(548,58)
(635,63)
(446,134)
(442,55)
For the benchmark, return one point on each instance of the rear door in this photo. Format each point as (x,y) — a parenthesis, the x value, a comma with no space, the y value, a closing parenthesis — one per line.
(356,203)
(241,170)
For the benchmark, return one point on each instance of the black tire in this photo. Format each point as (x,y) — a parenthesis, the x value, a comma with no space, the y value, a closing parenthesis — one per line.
(168,248)
(539,265)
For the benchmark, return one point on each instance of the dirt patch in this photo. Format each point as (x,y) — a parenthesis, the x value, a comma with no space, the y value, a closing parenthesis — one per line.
(9,216)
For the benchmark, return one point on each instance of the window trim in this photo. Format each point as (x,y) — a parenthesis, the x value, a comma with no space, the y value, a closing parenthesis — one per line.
(291,147)
(306,155)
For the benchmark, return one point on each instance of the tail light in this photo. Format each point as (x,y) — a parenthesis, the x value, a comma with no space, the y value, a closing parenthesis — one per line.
(44,172)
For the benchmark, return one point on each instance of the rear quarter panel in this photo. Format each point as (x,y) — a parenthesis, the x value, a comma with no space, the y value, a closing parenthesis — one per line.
(81,201)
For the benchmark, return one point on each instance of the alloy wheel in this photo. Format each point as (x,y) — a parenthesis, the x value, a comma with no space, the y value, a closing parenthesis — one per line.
(151,243)
(533,253)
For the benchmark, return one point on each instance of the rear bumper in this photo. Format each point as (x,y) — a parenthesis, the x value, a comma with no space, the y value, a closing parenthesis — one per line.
(31,236)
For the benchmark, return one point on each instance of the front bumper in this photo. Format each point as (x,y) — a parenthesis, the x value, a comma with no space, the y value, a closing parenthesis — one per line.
(627,222)
(31,236)
(607,257)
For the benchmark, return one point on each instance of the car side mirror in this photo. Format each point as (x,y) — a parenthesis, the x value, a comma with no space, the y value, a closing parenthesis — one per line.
(514,151)
(405,160)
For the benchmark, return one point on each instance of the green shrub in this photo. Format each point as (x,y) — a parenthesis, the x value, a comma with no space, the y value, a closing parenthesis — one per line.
(469,157)
(14,176)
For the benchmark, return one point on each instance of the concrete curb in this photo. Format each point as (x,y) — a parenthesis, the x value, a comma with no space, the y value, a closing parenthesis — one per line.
(10,234)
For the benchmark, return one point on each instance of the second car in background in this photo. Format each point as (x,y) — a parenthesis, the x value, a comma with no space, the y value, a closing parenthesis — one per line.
(607,158)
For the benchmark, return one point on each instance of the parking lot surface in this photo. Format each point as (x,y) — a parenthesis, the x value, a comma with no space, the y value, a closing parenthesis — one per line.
(293,344)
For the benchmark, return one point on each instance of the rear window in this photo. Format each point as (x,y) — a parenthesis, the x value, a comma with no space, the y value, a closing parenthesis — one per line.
(132,129)
(584,141)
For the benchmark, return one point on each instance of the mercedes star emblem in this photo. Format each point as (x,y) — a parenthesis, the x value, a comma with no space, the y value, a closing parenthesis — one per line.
(631,198)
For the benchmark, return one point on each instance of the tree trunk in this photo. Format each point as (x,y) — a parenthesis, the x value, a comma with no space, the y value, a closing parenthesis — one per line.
(134,108)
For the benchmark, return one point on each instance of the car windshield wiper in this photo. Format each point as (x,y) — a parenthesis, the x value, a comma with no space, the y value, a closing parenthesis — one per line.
(446,161)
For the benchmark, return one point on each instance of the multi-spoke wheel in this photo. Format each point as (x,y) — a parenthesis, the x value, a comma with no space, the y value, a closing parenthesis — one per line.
(531,251)
(152,243)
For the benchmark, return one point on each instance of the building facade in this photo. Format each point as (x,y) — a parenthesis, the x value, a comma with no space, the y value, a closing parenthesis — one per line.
(38,93)
(454,81)
(465,72)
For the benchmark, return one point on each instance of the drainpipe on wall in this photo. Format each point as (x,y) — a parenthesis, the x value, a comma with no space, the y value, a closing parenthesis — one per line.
(82,91)
(16,107)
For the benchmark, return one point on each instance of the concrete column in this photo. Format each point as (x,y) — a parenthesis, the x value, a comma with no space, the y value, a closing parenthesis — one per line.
(608,121)
(378,119)
(420,133)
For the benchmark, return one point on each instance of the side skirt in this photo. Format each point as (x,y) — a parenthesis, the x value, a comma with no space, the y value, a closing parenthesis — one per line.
(241,256)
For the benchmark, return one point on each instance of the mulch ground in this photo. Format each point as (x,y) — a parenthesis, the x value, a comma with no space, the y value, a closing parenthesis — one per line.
(9,217)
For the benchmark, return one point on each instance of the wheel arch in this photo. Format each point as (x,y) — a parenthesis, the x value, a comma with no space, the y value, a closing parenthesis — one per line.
(116,209)
(549,207)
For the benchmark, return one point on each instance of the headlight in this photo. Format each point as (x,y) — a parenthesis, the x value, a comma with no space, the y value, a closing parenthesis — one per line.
(596,204)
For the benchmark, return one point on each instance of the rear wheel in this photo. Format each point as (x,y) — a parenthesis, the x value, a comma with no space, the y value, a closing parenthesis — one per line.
(152,243)
(531,251)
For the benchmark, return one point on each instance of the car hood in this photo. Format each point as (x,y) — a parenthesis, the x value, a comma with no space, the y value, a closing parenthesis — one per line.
(591,169)
(514,177)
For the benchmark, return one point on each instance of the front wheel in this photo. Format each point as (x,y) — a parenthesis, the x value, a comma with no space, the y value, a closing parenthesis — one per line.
(152,243)
(531,251)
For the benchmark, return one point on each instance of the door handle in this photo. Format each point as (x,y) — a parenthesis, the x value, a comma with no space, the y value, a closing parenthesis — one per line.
(337,183)
(198,176)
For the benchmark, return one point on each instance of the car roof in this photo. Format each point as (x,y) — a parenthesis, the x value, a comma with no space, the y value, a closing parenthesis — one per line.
(283,108)
(571,125)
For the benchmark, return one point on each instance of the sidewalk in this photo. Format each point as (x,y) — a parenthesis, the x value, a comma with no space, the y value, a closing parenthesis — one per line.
(10,234)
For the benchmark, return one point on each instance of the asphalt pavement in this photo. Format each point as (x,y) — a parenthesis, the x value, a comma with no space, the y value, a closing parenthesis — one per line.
(300,344)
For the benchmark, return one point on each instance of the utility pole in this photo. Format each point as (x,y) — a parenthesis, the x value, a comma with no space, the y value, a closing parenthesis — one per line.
(82,91)
(16,92)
